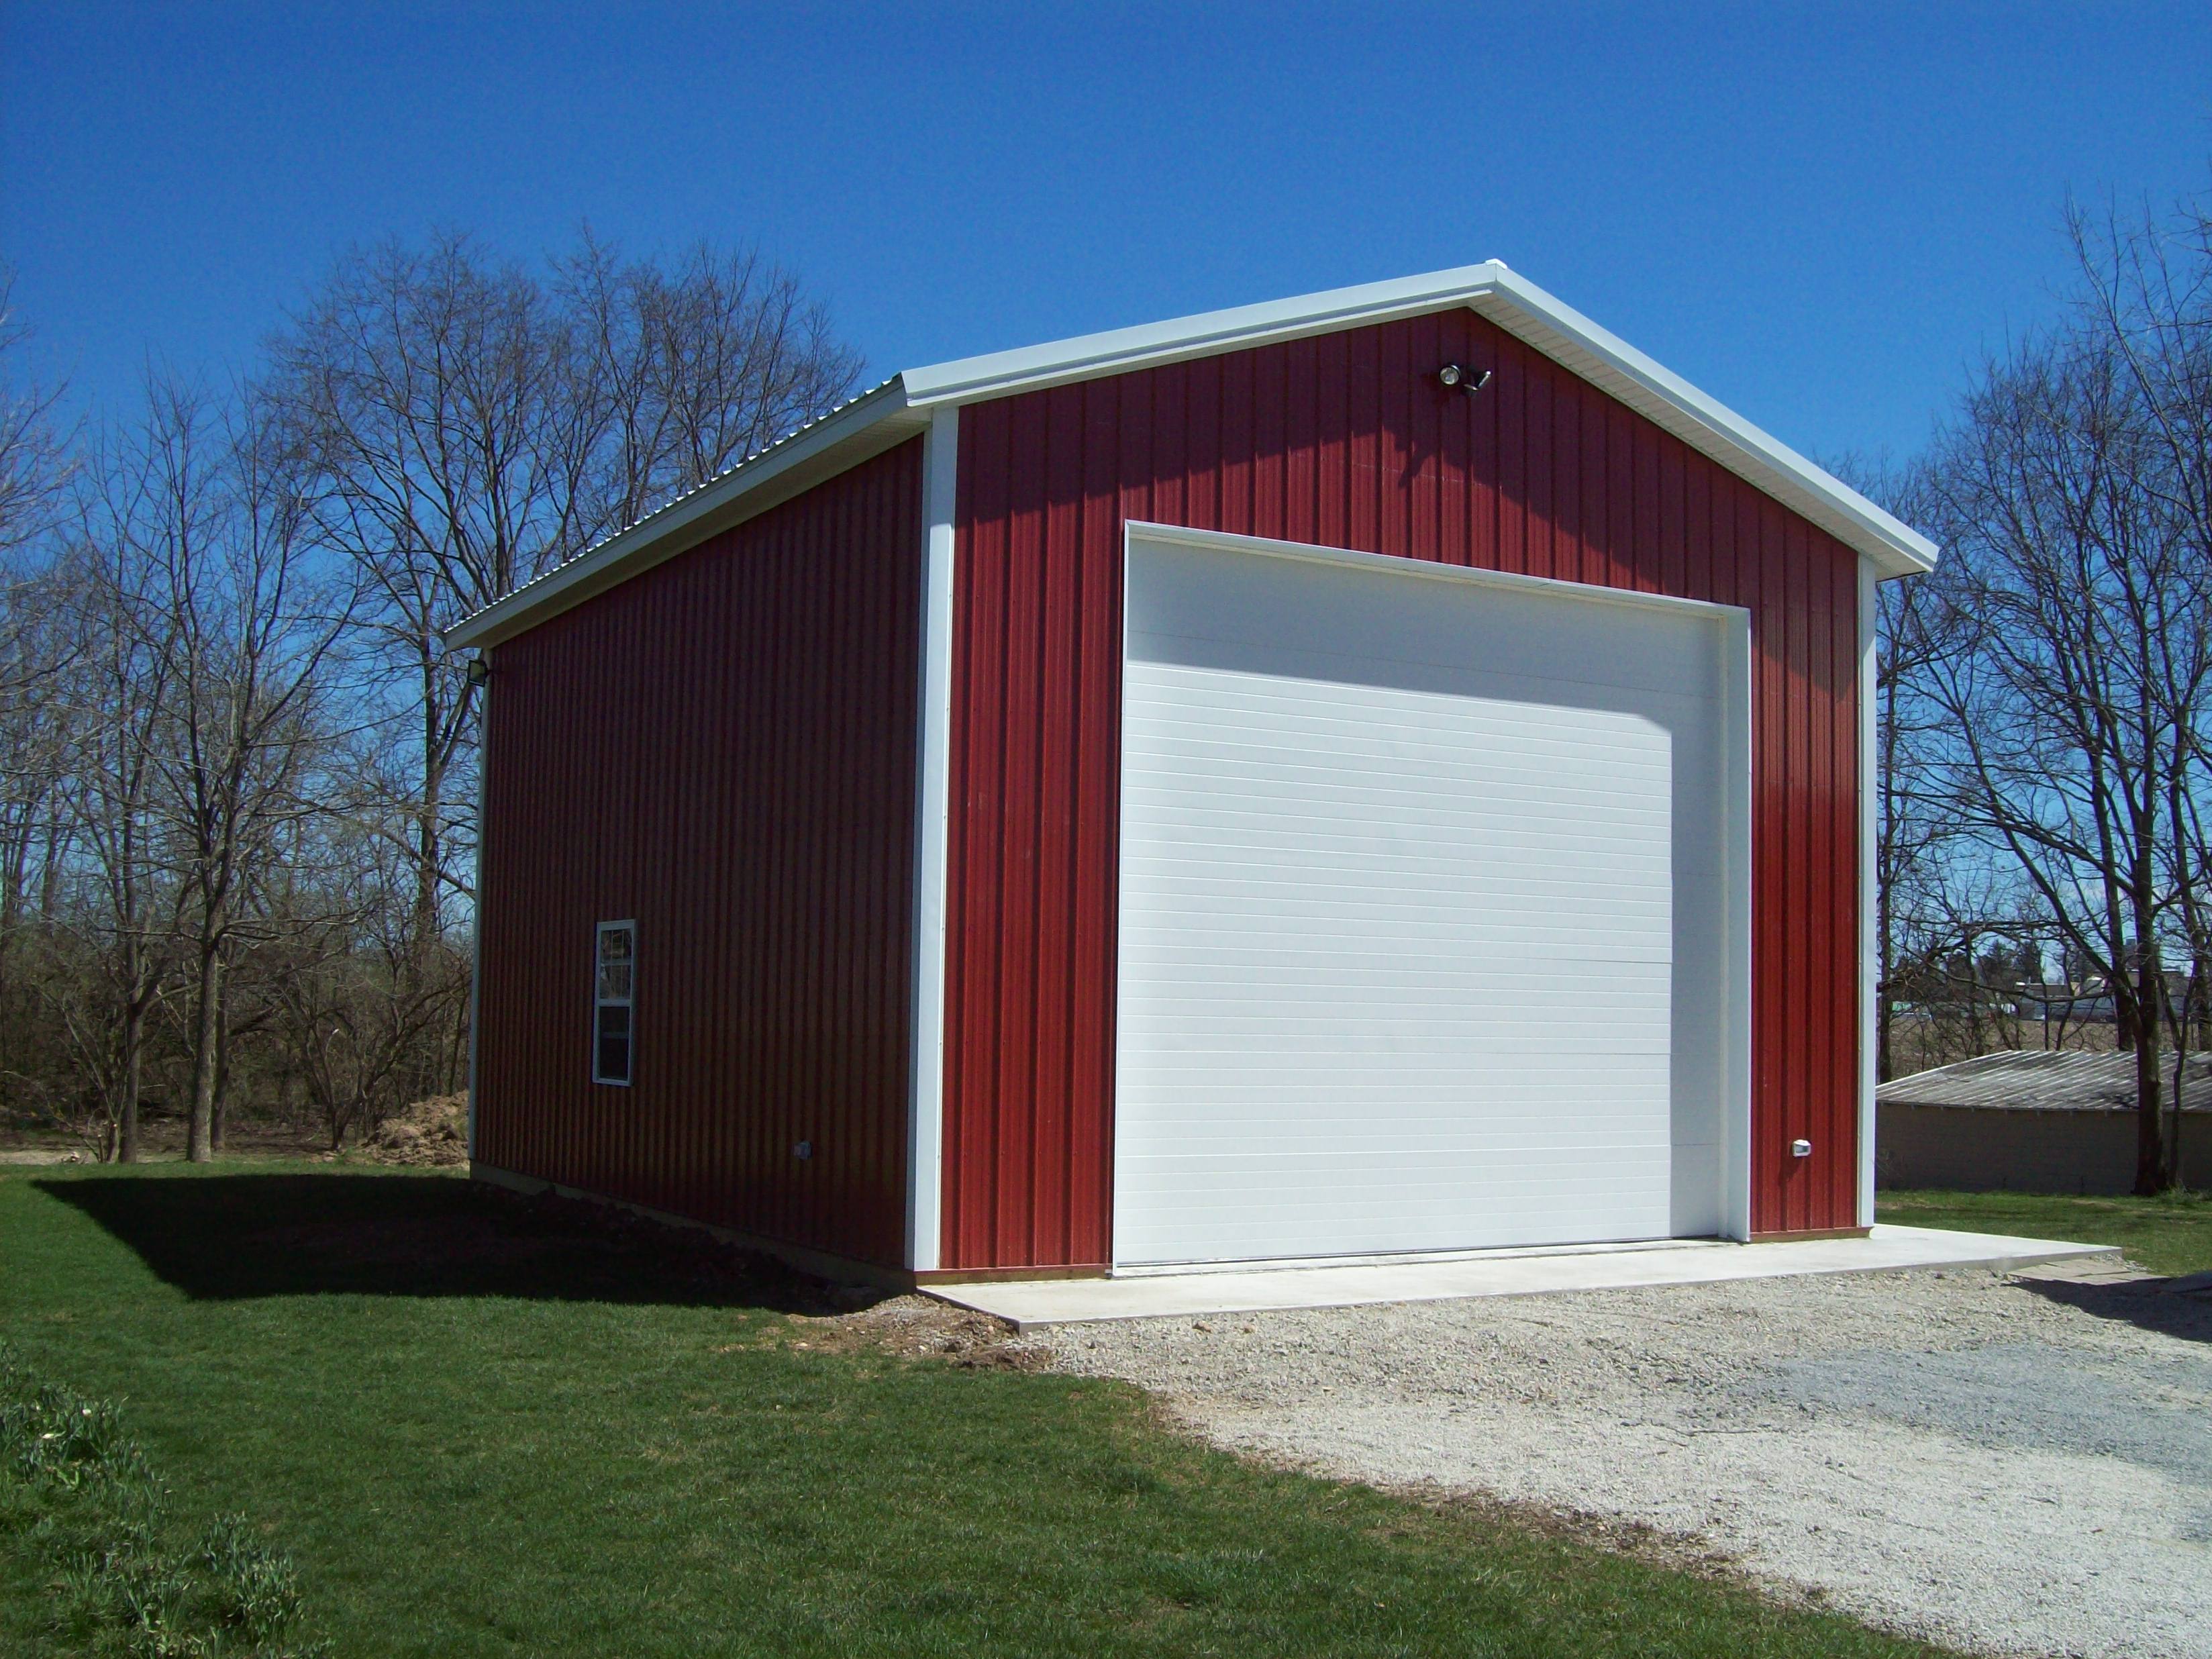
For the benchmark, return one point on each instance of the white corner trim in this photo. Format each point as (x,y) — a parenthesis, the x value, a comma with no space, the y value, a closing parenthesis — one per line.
(941,468)
(1869,878)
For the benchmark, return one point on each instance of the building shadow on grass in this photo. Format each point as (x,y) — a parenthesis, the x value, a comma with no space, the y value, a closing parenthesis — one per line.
(2153,1304)
(229,1237)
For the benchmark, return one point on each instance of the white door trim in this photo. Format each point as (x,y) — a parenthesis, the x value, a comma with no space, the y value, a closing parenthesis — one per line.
(1734,622)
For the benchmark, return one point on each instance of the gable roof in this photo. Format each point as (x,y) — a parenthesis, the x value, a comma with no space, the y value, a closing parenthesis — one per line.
(900,407)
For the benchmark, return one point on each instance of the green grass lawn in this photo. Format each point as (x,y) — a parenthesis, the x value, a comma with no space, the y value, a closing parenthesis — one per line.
(2170,1234)
(480,1428)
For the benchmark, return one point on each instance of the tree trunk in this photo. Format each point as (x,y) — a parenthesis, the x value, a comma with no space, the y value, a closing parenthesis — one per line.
(219,1115)
(2176,1176)
(2172,1172)
(2150,1164)
(134,1059)
(199,1145)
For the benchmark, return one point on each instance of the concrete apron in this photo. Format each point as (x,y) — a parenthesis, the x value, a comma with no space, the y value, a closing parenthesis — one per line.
(1154,1294)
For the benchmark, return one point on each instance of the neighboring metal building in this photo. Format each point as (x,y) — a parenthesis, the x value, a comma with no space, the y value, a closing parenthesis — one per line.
(1378,772)
(2032,1121)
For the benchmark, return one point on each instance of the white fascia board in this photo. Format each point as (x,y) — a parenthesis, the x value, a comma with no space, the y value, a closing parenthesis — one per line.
(863,429)
(1516,304)
(1602,357)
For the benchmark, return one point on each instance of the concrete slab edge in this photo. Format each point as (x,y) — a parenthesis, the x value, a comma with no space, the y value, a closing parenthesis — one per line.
(979,1298)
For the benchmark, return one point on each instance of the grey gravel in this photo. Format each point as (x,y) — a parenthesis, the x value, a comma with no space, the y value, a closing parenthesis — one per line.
(2012,1466)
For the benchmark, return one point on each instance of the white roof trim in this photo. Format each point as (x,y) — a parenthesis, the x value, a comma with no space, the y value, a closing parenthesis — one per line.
(899,408)
(1517,305)
(1119,350)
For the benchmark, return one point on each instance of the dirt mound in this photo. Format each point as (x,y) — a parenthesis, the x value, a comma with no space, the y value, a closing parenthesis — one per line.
(921,1327)
(432,1132)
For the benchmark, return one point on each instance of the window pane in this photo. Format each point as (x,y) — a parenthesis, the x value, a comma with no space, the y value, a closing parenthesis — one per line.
(613,1055)
(614,943)
(614,981)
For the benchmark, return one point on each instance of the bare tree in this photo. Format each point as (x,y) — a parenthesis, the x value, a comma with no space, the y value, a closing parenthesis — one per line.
(35,642)
(2147,290)
(2074,663)
(251,625)
(689,369)
(126,920)
(472,426)
(35,453)
(235,758)
(433,392)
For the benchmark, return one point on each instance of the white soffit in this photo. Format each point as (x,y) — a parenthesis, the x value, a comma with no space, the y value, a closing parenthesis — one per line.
(899,408)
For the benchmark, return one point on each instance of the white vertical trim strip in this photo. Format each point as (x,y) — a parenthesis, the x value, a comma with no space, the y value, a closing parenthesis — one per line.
(1869,876)
(940,469)
(476,921)
(1738,740)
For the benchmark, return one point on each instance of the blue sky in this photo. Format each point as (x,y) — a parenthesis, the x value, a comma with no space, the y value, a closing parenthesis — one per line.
(1820,214)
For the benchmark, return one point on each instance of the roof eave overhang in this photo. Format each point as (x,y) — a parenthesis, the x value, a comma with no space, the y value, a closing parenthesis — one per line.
(871,424)
(1522,309)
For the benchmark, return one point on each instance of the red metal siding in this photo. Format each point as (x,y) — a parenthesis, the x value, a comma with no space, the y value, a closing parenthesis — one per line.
(722,748)
(1343,440)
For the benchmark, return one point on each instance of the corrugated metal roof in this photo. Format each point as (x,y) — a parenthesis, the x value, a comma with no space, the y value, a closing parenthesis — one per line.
(650,519)
(689,517)
(2036,1080)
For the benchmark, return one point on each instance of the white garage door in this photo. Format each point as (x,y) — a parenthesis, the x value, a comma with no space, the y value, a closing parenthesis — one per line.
(1424,911)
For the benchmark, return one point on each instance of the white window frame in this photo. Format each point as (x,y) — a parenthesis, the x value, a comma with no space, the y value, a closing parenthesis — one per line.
(601,1001)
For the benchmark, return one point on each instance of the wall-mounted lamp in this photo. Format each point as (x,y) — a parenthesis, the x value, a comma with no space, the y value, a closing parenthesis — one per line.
(1453,378)
(479,669)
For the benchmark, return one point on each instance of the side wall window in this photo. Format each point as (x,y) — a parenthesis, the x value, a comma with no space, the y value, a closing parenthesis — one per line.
(614,984)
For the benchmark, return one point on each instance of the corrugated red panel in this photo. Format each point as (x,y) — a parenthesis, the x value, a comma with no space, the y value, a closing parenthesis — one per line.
(723,748)
(1346,441)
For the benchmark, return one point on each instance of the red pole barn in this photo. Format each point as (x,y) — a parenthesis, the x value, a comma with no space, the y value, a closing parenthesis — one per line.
(1380,772)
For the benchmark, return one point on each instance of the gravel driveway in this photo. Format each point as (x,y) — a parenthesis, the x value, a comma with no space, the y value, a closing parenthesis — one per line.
(2011,1464)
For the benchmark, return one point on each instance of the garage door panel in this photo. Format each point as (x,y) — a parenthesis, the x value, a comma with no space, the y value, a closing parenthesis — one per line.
(1403,871)
(1593,1199)
(1201,609)
(1494,743)
(1350,1148)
